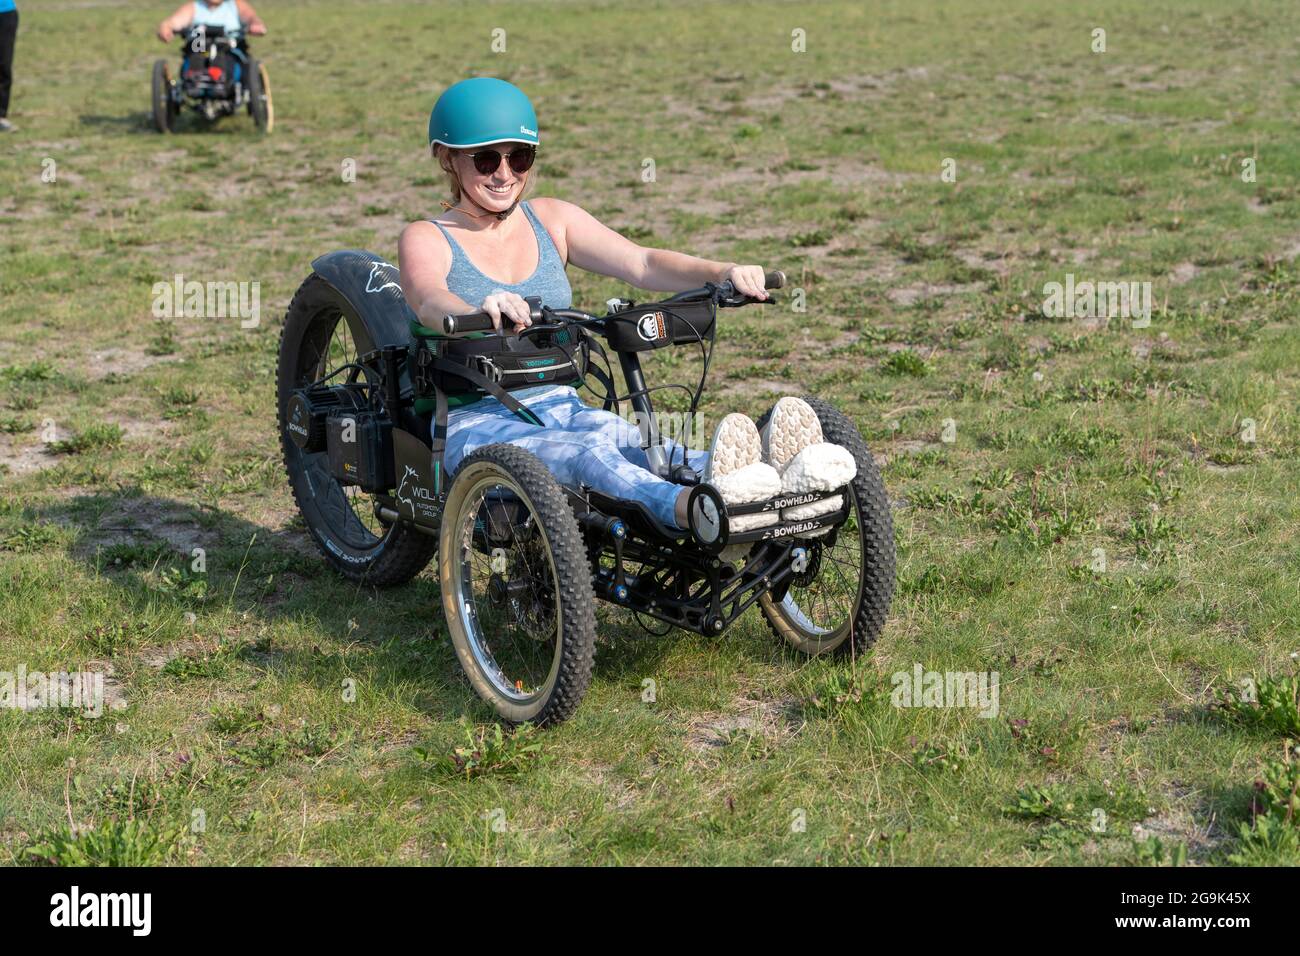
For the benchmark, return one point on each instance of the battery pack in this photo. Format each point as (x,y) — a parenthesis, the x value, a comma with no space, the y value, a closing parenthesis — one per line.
(360,446)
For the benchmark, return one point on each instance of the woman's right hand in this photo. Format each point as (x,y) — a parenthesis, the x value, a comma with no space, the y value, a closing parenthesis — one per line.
(509,306)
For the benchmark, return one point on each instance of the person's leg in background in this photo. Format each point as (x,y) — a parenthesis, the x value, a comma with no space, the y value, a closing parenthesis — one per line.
(8,36)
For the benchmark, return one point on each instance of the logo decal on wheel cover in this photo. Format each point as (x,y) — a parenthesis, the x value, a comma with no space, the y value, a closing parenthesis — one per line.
(376,276)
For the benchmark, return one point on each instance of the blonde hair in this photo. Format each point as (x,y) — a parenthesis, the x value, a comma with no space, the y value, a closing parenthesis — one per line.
(442,155)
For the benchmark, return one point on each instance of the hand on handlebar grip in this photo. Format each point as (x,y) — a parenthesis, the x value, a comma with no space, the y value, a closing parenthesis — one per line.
(510,307)
(486,321)
(749,281)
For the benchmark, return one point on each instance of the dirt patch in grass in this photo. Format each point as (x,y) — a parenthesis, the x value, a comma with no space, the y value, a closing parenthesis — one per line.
(121,361)
(23,458)
(157,657)
(770,720)
(991,260)
(760,388)
(280,523)
(114,692)
(622,795)
(147,519)
(913,446)
(1178,824)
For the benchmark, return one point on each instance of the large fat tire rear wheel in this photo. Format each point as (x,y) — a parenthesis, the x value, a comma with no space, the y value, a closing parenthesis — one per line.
(321,333)
(516,586)
(164,98)
(259,96)
(846,591)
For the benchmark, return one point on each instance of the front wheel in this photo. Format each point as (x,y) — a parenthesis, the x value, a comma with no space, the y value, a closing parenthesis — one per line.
(164,98)
(259,96)
(516,586)
(840,600)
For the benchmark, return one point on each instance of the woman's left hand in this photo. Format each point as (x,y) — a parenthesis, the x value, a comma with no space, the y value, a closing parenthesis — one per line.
(748,280)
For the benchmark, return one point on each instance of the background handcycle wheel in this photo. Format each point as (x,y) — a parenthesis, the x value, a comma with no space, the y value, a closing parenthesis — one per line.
(850,584)
(260,106)
(516,586)
(164,97)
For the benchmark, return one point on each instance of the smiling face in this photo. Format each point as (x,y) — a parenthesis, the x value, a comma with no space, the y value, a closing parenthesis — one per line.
(494,191)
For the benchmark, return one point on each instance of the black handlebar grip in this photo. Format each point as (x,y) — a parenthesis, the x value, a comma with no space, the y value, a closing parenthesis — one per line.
(774,279)
(473,322)
(482,322)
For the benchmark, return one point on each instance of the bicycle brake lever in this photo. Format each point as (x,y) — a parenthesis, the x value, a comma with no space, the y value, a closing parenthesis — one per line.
(541,327)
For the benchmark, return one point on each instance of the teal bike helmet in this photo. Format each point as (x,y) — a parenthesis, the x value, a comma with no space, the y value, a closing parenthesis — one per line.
(482,110)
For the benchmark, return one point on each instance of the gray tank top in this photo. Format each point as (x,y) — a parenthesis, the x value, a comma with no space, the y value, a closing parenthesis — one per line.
(548,280)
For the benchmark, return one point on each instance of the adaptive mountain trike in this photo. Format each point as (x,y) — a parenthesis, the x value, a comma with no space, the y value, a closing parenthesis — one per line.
(521,558)
(218,77)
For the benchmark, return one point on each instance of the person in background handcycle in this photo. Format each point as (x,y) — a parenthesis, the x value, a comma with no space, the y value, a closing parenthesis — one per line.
(233,16)
(483,132)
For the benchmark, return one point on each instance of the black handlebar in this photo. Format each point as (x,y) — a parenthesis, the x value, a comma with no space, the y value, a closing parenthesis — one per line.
(482,322)
(724,294)
(209,34)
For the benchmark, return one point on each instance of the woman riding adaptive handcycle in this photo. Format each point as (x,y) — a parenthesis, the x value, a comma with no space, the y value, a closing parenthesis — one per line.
(415,423)
(218,75)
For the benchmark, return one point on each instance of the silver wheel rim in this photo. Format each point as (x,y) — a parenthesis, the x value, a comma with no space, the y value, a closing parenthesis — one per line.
(510,654)
(833,597)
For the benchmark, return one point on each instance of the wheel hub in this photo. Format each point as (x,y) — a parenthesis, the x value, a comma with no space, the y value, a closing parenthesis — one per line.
(501,591)
(807,565)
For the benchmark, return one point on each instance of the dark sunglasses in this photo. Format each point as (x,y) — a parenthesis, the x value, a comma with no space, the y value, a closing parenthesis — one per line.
(488,161)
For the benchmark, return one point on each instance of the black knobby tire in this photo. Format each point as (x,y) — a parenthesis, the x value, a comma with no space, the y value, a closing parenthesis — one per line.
(379,554)
(541,504)
(164,103)
(875,538)
(259,96)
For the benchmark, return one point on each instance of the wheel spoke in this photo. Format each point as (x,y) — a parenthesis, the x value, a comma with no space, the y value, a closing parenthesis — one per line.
(505,589)
(826,605)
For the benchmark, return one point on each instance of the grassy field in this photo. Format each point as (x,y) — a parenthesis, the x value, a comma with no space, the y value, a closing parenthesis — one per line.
(1103,514)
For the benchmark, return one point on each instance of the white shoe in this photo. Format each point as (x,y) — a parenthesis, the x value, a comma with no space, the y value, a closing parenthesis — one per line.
(737,470)
(792,427)
(793,443)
